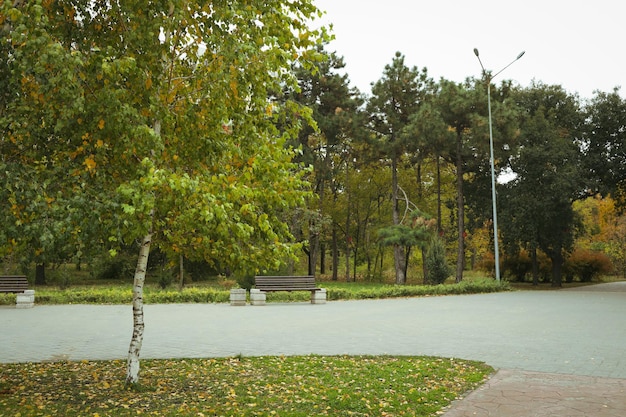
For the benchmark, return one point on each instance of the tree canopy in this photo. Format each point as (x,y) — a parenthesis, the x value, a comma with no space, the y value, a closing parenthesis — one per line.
(549,174)
(153,122)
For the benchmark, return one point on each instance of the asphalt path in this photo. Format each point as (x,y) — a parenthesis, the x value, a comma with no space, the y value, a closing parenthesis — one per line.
(574,332)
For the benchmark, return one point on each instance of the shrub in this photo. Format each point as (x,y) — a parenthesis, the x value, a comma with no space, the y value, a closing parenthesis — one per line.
(200,270)
(165,277)
(117,267)
(245,281)
(518,266)
(487,264)
(437,267)
(587,264)
(479,286)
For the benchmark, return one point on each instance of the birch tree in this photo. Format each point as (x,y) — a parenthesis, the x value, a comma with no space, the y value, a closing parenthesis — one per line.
(156,122)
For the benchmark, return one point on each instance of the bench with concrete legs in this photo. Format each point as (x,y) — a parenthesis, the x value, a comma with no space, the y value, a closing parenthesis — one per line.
(18,284)
(265,284)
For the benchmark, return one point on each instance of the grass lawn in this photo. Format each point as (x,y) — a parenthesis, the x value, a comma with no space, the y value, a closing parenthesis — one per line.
(241,386)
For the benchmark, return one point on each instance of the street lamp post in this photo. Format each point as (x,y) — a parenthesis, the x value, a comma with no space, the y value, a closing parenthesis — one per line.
(489,78)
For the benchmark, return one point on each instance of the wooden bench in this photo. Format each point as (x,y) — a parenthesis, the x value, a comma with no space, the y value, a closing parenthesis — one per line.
(265,284)
(18,284)
(13,283)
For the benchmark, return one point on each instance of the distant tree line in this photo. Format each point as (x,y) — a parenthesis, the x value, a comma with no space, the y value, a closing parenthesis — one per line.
(416,143)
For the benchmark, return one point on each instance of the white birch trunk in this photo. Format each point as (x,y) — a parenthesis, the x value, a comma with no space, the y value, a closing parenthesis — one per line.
(132,365)
(132,369)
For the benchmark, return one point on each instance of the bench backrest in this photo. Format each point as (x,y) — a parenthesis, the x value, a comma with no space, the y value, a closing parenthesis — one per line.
(13,283)
(285,283)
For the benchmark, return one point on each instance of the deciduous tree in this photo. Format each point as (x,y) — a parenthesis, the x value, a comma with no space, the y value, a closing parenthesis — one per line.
(538,209)
(156,122)
(605,144)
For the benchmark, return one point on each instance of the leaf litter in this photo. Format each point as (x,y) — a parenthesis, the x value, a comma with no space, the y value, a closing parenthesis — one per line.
(241,386)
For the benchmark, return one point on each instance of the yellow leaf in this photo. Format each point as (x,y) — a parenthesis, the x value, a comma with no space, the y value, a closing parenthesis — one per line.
(90,163)
(148,83)
(99,144)
(101,124)
(233,87)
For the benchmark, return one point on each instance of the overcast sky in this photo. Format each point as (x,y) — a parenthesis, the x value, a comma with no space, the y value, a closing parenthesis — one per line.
(579,45)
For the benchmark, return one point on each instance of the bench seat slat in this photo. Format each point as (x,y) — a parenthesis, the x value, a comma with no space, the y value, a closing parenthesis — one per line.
(286,288)
(286,283)
(13,283)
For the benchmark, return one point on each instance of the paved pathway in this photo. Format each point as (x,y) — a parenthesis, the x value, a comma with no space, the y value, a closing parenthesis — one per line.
(522,394)
(580,332)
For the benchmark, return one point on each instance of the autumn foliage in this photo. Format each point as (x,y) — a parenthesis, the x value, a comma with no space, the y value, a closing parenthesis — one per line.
(285,386)
(587,265)
(582,265)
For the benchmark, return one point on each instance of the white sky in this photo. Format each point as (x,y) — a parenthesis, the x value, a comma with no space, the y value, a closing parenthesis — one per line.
(580,45)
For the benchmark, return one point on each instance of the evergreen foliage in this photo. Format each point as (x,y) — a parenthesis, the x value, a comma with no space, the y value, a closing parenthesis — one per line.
(437,267)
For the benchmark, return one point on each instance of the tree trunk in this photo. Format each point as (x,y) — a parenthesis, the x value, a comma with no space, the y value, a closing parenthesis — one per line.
(420,184)
(314,245)
(533,257)
(398,251)
(348,215)
(424,266)
(439,228)
(407,257)
(354,263)
(335,250)
(460,259)
(312,254)
(398,255)
(181,272)
(347,277)
(557,264)
(40,274)
(132,369)
(322,258)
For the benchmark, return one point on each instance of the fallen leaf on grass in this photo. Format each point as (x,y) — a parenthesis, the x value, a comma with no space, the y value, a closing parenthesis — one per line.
(294,386)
